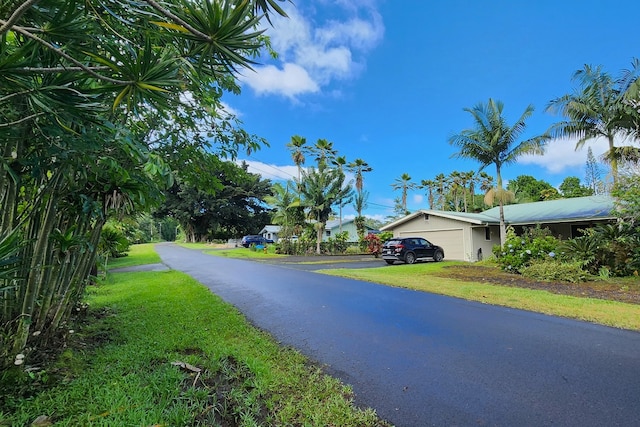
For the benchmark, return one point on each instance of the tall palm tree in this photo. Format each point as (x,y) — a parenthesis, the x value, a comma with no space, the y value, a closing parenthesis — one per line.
(471,178)
(321,188)
(595,110)
(298,146)
(429,185)
(404,184)
(358,167)
(441,183)
(493,141)
(323,151)
(340,162)
(359,204)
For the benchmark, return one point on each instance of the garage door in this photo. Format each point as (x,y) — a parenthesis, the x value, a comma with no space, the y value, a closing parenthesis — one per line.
(451,241)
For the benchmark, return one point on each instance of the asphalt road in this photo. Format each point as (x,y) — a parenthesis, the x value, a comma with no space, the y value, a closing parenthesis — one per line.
(426,360)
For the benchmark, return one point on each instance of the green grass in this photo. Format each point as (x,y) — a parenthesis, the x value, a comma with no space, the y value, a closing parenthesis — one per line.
(138,255)
(421,277)
(117,369)
(246,253)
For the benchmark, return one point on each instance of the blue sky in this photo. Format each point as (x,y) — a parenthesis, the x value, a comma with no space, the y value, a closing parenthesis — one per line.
(387,81)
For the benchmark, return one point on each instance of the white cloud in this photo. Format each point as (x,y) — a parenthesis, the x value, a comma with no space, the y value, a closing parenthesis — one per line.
(271,171)
(561,155)
(417,199)
(290,81)
(315,50)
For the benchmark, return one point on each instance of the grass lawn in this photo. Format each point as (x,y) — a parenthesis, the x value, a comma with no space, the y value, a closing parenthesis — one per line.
(159,349)
(422,277)
(138,255)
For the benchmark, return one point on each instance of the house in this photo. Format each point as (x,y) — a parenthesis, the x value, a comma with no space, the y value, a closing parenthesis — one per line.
(334,226)
(270,232)
(470,236)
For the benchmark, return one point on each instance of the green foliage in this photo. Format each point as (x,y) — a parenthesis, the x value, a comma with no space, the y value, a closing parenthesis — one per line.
(529,189)
(113,242)
(571,187)
(614,248)
(336,244)
(385,235)
(520,251)
(554,270)
(99,127)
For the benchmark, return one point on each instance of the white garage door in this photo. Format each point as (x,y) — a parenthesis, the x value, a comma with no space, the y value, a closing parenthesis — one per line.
(451,241)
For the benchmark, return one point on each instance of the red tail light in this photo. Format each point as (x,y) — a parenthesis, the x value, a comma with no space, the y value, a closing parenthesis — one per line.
(399,248)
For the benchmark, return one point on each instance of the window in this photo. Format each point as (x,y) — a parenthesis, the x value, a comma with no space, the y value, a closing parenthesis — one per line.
(328,233)
(487,233)
(426,217)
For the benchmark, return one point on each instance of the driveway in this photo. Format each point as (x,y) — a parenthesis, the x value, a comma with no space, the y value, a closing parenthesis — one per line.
(421,359)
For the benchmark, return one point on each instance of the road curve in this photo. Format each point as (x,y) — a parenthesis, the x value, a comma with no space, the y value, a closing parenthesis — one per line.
(427,360)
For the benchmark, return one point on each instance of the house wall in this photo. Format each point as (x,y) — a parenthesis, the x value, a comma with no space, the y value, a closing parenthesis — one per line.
(346,226)
(454,236)
(480,242)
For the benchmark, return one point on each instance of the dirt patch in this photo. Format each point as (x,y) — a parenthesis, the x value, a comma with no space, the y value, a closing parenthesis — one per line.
(615,289)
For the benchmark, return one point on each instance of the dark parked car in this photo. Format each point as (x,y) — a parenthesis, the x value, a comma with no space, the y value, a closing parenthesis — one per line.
(410,250)
(254,239)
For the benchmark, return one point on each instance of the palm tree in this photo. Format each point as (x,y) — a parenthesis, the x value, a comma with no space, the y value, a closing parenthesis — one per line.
(429,185)
(359,204)
(340,162)
(595,110)
(358,167)
(323,151)
(298,145)
(284,202)
(493,141)
(441,183)
(404,184)
(321,188)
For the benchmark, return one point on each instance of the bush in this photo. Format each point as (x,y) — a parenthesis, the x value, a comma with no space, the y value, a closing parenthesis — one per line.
(551,270)
(521,251)
(374,246)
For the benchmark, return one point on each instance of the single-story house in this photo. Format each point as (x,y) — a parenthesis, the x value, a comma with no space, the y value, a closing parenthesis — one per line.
(470,236)
(270,232)
(332,228)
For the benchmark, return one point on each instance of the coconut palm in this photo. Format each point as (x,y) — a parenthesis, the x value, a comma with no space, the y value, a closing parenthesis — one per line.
(595,110)
(404,184)
(493,141)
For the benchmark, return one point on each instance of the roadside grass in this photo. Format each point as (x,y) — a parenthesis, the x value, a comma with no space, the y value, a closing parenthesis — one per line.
(421,277)
(246,253)
(137,255)
(118,367)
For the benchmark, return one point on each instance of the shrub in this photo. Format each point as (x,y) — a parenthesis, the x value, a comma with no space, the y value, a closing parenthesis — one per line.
(374,246)
(521,251)
(550,270)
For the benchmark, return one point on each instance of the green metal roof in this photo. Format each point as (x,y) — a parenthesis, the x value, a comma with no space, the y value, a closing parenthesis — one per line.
(561,210)
(577,208)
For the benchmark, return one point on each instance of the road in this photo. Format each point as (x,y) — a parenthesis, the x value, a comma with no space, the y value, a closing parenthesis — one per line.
(421,359)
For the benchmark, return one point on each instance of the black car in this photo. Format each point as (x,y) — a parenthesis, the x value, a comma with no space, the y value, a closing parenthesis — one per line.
(410,250)
(254,239)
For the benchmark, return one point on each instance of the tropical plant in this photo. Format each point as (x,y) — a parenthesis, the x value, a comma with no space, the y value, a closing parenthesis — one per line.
(359,167)
(298,146)
(596,110)
(404,184)
(98,104)
(321,188)
(493,142)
